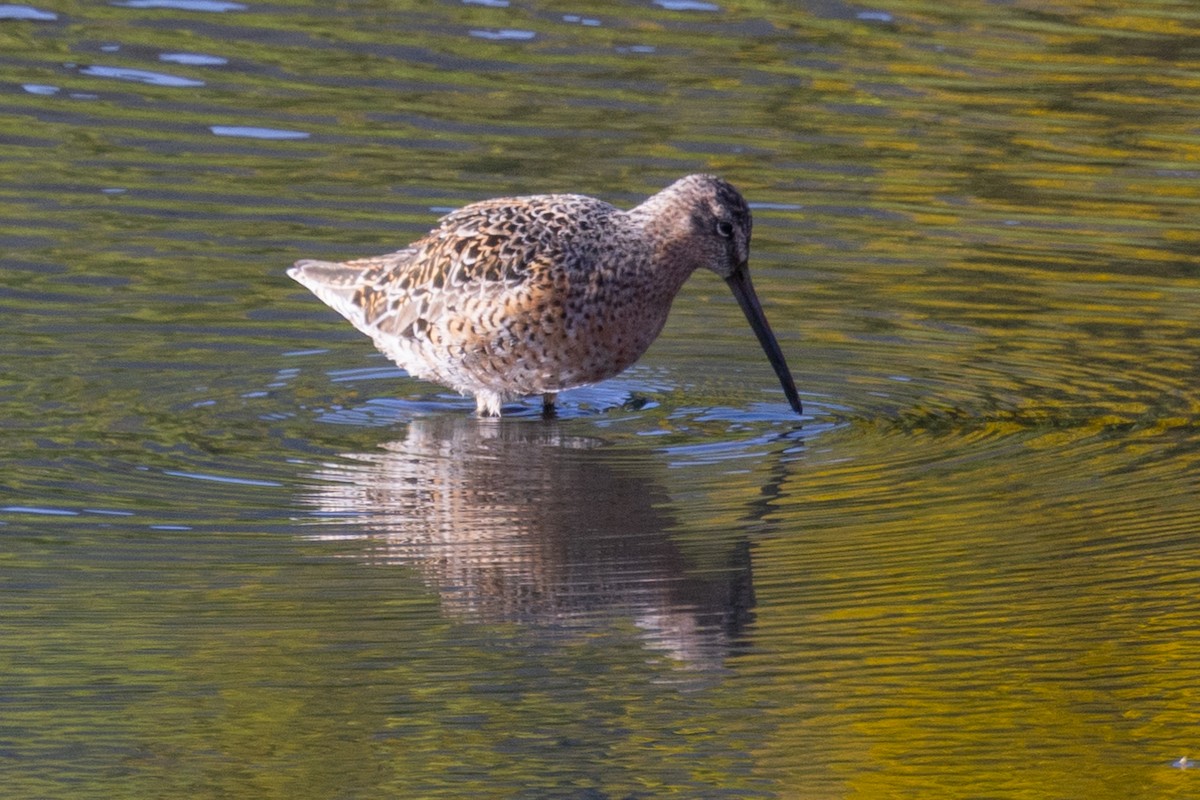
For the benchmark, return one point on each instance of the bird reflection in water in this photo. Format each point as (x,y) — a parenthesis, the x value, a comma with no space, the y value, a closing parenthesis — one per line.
(516,522)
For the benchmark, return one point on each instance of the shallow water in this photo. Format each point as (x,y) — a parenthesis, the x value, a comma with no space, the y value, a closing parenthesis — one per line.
(245,556)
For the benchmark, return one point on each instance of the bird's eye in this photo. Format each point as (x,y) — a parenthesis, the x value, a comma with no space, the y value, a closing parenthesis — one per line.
(724,229)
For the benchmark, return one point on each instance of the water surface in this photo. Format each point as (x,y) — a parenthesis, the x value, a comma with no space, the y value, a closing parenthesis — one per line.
(245,556)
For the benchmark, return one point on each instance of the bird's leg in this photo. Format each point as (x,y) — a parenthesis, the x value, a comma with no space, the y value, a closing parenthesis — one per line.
(487,404)
(548,410)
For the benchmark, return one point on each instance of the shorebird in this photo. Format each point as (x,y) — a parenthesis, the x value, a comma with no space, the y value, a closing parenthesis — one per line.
(523,296)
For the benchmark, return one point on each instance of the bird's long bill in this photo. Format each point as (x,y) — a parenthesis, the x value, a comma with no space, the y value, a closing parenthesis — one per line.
(743,290)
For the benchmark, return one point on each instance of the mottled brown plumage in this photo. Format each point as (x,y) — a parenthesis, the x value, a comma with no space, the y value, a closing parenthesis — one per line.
(532,295)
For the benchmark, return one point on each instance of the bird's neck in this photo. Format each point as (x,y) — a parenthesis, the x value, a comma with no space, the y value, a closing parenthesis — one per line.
(669,259)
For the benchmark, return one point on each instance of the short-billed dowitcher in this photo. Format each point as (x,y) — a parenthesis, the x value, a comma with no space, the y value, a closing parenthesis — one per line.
(533,295)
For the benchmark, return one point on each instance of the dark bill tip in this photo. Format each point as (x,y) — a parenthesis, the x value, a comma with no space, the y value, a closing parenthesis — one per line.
(743,290)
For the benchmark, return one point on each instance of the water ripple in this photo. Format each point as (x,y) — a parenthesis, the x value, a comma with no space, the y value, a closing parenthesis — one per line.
(140,76)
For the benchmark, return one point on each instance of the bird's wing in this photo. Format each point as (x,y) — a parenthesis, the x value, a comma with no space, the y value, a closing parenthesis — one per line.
(486,254)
